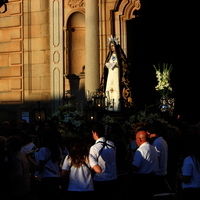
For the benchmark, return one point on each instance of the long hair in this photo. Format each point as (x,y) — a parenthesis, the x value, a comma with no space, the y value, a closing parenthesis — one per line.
(79,152)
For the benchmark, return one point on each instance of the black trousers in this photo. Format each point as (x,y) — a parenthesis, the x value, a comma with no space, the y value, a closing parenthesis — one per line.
(49,188)
(190,193)
(161,185)
(106,189)
(141,185)
(89,195)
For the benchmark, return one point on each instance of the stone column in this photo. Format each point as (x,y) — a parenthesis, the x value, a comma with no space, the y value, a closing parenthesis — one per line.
(92,69)
(56,52)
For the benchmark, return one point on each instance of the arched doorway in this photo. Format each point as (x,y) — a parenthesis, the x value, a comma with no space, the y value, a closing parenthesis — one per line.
(75,43)
(75,56)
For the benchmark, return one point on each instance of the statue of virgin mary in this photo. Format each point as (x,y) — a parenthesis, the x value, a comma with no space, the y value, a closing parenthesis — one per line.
(115,82)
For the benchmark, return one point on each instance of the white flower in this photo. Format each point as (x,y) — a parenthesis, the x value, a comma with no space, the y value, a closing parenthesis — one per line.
(69,119)
(163,78)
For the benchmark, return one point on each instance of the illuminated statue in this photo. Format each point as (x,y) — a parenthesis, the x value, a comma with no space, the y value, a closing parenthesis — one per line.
(115,82)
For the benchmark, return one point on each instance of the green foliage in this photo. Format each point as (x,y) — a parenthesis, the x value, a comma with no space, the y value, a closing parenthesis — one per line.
(71,122)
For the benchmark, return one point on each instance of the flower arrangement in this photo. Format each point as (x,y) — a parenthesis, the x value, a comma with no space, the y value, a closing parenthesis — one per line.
(107,119)
(163,78)
(71,121)
(146,116)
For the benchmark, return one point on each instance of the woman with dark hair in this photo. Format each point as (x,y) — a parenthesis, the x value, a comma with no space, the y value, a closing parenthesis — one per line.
(77,164)
(115,81)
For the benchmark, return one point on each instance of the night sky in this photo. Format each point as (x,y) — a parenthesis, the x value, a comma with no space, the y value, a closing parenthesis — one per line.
(165,33)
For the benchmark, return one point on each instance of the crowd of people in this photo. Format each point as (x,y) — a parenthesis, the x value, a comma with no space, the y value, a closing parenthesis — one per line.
(158,160)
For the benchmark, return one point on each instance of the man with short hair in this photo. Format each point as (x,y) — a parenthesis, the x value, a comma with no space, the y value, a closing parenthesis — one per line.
(104,153)
(156,131)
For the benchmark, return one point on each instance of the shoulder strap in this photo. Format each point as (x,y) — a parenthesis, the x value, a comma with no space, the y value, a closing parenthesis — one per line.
(87,165)
(104,144)
(69,168)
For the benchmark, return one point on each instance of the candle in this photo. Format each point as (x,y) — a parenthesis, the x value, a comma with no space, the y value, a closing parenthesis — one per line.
(108,98)
(88,95)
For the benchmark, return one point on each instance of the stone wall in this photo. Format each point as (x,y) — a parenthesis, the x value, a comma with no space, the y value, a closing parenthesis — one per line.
(37,54)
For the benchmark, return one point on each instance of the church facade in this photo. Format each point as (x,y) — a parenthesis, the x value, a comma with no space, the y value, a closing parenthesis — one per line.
(53,51)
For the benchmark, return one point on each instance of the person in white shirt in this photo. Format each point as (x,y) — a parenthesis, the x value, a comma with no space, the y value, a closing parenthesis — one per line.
(28,145)
(77,164)
(48,159)
(156,131)
(104,153)
(144,166)
(190,171)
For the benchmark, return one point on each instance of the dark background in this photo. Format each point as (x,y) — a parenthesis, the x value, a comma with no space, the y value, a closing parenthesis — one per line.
(165,32)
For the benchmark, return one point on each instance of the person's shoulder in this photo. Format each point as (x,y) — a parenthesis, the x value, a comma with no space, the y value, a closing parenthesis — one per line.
(94,146)
(110,142)
(43,150)
(30,146)
(149,147)
(67,159)
(188,159)
(106,142)
(160,140)
(144,144)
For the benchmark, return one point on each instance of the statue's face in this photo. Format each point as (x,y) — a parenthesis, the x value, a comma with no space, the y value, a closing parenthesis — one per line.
(112,46)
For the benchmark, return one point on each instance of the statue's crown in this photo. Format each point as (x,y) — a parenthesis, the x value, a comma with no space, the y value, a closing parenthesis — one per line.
(113,39)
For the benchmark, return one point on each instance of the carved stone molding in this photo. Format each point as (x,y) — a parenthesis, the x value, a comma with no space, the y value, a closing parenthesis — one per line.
(56,52)
(56,23)
(124,10)
(56,57)
(76,3)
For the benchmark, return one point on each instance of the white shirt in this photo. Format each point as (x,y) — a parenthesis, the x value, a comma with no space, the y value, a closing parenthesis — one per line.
(27,148)
(80,179)
(44,154)
(146,159)
(106,160)
(191,168)
(161,147)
